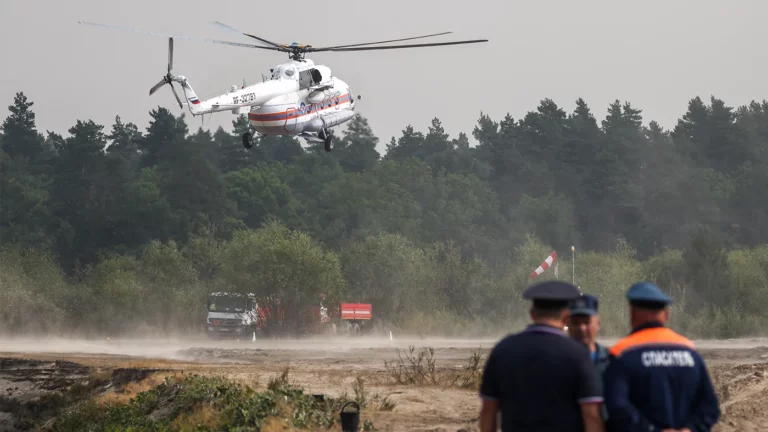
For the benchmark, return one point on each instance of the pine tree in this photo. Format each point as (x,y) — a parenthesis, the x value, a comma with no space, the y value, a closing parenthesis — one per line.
(20,139)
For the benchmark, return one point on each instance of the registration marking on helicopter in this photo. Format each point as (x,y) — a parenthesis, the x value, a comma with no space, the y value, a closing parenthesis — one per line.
(301,111)
(244,98)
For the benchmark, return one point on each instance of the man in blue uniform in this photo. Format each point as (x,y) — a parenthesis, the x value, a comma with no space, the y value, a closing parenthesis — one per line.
(540,379)
(584,326)
(656,380)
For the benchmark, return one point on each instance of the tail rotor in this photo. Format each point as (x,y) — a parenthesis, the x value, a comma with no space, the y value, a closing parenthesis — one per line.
(168,78)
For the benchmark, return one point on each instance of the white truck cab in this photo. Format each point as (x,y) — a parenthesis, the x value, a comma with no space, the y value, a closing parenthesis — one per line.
(231,315)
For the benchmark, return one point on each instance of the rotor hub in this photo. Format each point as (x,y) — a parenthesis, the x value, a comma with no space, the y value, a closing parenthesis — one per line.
(297,53)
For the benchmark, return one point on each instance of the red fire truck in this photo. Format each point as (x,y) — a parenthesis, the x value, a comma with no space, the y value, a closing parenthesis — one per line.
(354,318)
(349,319)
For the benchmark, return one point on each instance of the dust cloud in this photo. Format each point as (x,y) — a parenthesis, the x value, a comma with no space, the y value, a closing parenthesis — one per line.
(177,348)
(173,349)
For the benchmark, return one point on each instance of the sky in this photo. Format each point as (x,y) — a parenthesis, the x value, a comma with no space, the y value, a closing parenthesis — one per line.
(655,54)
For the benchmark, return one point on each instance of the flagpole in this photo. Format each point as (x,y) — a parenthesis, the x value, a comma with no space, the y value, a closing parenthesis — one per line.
(573,265)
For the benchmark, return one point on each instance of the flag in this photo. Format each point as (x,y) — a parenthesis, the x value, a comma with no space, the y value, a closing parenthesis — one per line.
(545,265)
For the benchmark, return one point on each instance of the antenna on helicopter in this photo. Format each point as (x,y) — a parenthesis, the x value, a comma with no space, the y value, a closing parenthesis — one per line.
(168,78)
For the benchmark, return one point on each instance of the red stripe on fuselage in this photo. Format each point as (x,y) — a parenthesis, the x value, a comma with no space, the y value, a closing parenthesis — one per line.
(294,111)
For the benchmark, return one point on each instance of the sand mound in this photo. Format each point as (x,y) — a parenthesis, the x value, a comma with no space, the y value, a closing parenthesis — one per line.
(743,392)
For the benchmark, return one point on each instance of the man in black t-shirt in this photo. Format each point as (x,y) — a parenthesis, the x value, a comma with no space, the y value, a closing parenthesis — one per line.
(541,379)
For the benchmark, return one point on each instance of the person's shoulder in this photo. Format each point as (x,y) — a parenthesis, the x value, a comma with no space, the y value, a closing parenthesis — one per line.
(651,338)
(500,343)
(509,340)
(562,344)
(575,348)
(680,338)
(535,338)
(514,342)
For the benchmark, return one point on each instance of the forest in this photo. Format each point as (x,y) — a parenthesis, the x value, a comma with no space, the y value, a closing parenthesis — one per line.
(110,230)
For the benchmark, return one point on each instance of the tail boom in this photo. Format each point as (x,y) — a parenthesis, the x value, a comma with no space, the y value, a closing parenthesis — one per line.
(236,101)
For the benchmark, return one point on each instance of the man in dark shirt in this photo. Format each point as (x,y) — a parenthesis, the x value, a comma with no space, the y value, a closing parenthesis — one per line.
(540,379)
(656,380)
(584,326)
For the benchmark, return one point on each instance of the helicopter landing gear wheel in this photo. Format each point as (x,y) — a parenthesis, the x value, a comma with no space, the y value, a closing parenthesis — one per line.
(326,136)
(248,140)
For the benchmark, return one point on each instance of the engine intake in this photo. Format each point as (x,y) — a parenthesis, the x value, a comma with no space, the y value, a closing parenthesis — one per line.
(317,76)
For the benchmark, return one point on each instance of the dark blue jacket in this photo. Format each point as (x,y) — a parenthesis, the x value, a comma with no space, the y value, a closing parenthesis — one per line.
(655,380)
(601,359)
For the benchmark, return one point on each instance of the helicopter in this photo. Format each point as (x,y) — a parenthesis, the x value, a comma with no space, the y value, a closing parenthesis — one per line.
(298,98)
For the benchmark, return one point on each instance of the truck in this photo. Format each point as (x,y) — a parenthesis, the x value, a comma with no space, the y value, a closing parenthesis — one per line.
(355,318)
(231,315)
(240,316)
(345,319)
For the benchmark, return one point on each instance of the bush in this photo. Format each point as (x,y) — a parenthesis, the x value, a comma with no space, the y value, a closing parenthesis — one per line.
(205,404)
(434,290)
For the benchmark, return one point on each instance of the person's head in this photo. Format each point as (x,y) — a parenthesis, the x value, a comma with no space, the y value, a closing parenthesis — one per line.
(644,312)
(550,302)
(584,322)
(552,312)
(647,303)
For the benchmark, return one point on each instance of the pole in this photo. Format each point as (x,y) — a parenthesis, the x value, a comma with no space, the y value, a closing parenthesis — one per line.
(573,265)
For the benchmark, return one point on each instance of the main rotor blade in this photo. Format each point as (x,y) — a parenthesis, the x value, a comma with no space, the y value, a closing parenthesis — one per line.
(170,54)
(386,41)
(177,96)
(406,46)
(226,27)
(156,86)
(181,37)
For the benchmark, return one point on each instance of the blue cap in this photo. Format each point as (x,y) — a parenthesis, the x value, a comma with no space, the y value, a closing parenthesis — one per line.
(552,294)
(646,294)
(584,305)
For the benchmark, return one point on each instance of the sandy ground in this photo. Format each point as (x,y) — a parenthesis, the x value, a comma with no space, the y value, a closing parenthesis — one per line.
(331,366)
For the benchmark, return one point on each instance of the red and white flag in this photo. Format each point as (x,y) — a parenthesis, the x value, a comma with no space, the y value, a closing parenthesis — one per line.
(545,265)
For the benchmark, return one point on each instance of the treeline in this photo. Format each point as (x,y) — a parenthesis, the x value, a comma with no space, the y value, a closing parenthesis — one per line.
(129,229)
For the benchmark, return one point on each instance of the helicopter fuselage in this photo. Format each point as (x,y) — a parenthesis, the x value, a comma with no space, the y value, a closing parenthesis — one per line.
(298,97)
(294,113)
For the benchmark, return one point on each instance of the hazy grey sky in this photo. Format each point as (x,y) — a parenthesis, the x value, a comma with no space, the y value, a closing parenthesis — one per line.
(657,54)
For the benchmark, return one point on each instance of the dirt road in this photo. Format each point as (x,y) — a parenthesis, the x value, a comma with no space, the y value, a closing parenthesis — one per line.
(335,366)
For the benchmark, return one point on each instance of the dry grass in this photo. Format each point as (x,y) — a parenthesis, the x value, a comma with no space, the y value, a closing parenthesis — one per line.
(275,424)
(333,377)
(420,369)
(414,369)
(123,396)
(200,416)
(384,403)
(99,376)
(365,398)
(280,380)
(361,394)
